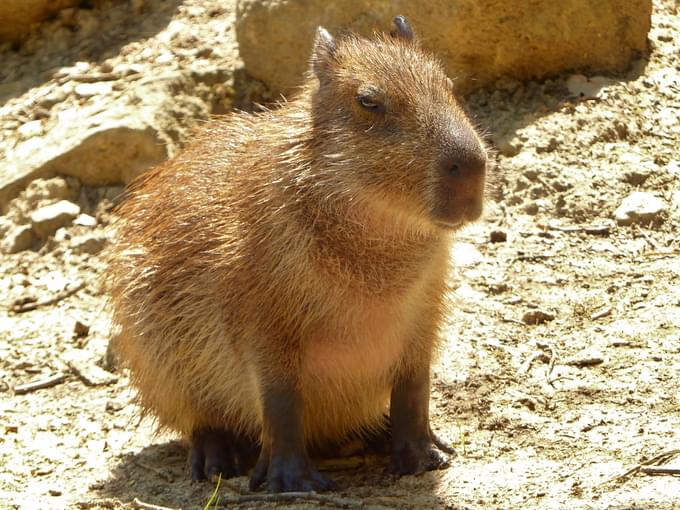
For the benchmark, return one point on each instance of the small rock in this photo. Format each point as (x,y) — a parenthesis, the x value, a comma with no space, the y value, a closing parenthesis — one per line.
(498,288)
(498,236)
(54,492)
(164,58)
(637,176)
(531,208)
(561,185)
(85,220)
(639,207)
(81,329)
(588,88)
(537,317)
(602,312)
(88,243)
(30,129)
(113,406)
(586,359)
(54,97)
(18,239)
(48,219)
(93,89)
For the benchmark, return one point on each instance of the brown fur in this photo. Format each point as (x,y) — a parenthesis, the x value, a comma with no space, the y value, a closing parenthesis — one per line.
(304,240)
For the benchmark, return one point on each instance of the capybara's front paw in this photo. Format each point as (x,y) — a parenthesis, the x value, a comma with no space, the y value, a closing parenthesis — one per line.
(411,457)
(288,473)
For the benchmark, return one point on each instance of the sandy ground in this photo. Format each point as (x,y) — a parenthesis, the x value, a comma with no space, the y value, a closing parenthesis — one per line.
(561,351)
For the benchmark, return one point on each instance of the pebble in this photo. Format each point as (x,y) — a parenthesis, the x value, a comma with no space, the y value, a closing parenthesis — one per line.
(537,317)
(498,236)
(80,329)
(85,220)
(54,97)
(588,88)
(102,88)
(637,176)
(46,220)
(88,243)
(18,239)
(30,129)
(589,358)
(640,207)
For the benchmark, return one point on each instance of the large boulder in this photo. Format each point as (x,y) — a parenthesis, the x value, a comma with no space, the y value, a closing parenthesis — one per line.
(17,16)
(108,141)
(478,40)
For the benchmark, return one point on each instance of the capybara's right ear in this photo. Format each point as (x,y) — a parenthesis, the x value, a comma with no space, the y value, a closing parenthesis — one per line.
(323,54)
(402,29)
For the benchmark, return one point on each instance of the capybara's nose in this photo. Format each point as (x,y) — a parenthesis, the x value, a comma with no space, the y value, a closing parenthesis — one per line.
(464,162)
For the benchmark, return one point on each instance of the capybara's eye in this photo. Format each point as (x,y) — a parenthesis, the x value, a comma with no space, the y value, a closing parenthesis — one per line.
(370,104)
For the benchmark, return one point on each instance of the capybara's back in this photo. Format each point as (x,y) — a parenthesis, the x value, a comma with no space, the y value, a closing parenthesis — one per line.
(280,284)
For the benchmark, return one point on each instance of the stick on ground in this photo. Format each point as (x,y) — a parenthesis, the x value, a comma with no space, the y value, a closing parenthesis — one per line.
(287,497)
(27,307)
(32,386)
(141,505)
(642,467)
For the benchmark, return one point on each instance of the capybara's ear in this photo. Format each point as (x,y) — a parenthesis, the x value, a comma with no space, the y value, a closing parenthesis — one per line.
(323,54)
(402,29)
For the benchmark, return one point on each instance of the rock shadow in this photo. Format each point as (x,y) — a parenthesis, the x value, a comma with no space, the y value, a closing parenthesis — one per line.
(94,32)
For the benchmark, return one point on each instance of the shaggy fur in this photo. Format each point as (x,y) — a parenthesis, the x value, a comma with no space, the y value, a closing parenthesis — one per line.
(309,243)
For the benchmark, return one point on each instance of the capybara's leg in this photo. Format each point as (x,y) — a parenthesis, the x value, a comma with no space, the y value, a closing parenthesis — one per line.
(414,449)
(284,462)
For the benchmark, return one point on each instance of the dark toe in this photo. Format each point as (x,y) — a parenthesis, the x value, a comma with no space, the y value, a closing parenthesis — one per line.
(213,454)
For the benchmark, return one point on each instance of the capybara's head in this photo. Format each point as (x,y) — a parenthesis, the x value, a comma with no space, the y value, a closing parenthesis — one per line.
(389,125)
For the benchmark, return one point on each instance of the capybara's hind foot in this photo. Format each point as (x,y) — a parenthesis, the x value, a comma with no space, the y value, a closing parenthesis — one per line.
(220,452)
(415,456)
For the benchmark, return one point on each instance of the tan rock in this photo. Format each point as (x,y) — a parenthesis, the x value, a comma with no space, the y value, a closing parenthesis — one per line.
(17,16)
(88,243)
(18,239)
(640,207)
(109,141)
(478,40)
(46,220)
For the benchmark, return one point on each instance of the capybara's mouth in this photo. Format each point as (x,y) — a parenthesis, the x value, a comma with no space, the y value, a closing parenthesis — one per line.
(468,213)
(454,209)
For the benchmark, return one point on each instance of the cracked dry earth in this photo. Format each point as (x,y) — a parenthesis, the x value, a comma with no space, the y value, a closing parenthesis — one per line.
(561,353)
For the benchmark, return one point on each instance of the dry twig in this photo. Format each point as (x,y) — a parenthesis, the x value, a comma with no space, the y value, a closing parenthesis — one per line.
(40,384)
(32,305)
(659,471)
(287,497)
(138,503)
(643,467)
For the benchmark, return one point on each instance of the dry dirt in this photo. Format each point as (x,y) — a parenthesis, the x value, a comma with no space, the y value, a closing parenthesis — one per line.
(561,361)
